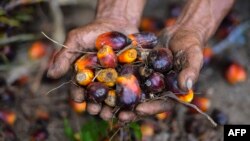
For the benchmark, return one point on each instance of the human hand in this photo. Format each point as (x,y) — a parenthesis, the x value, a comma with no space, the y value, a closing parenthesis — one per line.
(83,39)
(198,22)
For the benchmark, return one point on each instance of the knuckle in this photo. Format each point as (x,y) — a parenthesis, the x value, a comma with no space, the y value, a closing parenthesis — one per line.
(72,34)
(185,38)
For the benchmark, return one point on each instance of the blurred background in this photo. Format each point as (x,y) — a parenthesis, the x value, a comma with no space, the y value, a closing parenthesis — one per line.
(29,110)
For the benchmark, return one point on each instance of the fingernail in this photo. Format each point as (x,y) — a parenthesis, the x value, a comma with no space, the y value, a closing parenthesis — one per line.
(189,83)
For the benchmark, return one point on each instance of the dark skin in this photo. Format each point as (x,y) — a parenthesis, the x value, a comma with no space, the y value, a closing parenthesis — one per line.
(197,23)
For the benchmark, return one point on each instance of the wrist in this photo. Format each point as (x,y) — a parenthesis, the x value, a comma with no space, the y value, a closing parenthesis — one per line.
(125,11)
(204,17)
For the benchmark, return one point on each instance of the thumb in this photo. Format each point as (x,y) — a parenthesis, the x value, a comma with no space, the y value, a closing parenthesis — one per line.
(192,60)
(64,57)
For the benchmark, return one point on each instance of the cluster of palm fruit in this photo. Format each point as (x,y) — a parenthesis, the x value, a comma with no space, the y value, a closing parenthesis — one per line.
(126,70)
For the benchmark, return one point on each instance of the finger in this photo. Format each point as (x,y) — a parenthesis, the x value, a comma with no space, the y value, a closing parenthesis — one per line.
(126,116)
(190,72)
(106,113)
(154,107)
(130,30)
(64,58)
(93,108)
(77,93)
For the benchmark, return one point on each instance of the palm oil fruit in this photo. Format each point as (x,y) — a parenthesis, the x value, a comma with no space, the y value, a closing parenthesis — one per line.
(150,24)
(144,40)
(111,98)
(235,73)
(108,75)
(8,117)
(129,69)
(88,61)
(78,107)
(107,57)
(127,56)
(202,103)
(219,117)
(170,22)
(162,116)
(97,91)
(188,97)
(207,54)
(160,59)
(128,90)
(172,83)
(37,50)
(114,39)
(147,130)
(84,77)
(155,82)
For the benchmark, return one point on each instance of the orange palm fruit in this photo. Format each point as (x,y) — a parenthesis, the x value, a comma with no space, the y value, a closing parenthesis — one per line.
(111,98)
(186,97)
(9,117)
(170,22)
(108,76)
(84,77)
(150,24)
(42,114)
(22,80)
(88,61)
(107,57)
(37,50)
(78,107)
(110,84)
(114,39)
(162,116)
(235,73)
(202,103)
(147,130)
(207,54)
(128,90)
(143,39)
(128,56)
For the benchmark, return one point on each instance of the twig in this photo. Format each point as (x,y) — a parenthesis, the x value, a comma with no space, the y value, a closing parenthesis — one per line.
(126,48)
(58,87)
(17,38)
(65,45)
(172,96)
(97,74)
(111,138)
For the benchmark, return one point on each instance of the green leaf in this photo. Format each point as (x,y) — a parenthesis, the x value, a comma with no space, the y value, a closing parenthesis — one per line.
(23,17)
(9,21)
(68,131)
(93,130)
(86,136)
(136,129)
(2,12)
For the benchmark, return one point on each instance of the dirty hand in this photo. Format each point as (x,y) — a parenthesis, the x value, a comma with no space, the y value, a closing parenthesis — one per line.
(112,15)
(197,23)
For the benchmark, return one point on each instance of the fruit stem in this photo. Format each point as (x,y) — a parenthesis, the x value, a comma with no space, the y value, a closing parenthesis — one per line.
(65,45)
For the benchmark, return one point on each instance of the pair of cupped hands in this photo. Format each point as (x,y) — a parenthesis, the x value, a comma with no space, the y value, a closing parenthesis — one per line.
(186,46)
